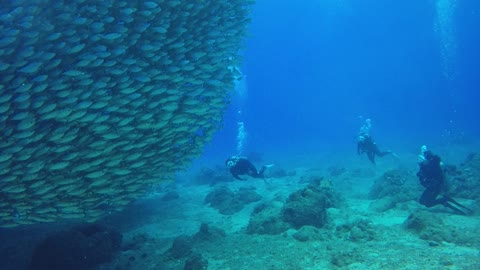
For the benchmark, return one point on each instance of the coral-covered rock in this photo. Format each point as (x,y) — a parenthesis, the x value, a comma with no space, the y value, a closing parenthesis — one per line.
(307,206)
(228,202)
(303,207)
(266,219)
(399,184)
(223,199)
(247,195)
(464,180)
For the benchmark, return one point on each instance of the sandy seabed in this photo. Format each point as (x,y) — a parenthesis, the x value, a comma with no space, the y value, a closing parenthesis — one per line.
(151,225)
(393,246)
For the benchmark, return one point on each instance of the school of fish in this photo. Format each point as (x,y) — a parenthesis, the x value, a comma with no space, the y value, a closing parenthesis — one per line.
(101,100)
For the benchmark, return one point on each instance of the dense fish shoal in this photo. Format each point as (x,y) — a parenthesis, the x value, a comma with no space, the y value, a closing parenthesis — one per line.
(101,100)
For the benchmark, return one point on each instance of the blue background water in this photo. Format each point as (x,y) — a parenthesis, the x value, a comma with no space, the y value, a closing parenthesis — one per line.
(314,67)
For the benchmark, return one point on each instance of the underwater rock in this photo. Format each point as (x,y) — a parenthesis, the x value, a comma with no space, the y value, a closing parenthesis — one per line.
(247,195)
(139,250)
(308,206)
(307,233)
(196,262)
(223,199)
(430,227)
(208,233)
(181,247)
(301,235)
(383,204)
(356,231)
(82,247)
(305,209)
(421,220)
(394,186)
(464,180)
(186,246)
(228,202)
(267,219)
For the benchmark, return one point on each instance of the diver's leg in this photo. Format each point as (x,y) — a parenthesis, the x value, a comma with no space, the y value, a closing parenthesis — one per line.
(371,156)
(428,197)
(252,171)
(381,153)
(262,171)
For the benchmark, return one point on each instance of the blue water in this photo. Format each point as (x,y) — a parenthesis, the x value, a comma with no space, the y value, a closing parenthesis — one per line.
(316,69)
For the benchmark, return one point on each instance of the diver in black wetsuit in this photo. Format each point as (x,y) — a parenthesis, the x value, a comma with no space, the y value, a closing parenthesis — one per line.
(366,144)
(241,166)
(432,177)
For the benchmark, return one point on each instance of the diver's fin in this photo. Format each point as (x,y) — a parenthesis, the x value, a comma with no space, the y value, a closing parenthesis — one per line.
(455,209)
(451,200)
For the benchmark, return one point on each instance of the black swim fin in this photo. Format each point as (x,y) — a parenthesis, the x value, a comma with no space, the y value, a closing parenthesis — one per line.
(455,209)
(468,210)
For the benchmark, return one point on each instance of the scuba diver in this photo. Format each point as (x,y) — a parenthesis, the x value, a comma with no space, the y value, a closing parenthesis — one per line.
(366,144)
(241,166)
(432,177)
